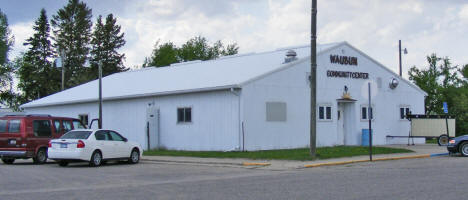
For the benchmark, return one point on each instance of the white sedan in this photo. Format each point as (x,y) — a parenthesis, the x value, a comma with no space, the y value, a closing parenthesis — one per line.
(93,146)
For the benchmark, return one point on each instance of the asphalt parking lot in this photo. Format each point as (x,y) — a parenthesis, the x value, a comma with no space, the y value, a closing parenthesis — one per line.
(428,178)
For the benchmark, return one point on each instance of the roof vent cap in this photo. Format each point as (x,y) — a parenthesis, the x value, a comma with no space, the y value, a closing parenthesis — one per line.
(290,56)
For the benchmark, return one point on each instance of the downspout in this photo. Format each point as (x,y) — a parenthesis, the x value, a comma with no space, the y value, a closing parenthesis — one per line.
(241,124)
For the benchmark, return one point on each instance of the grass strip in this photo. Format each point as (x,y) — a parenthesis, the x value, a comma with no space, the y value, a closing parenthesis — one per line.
(282,154)
(431,141)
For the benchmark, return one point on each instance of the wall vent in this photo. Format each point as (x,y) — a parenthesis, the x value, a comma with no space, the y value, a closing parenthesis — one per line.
(290,56)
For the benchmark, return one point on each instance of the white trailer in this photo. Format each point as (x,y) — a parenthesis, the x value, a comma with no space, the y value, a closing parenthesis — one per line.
(432,126)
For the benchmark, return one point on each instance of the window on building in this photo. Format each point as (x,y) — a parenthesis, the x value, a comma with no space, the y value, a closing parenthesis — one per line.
(324,112)
(365,115)
(83,118)
(405,110)
(14,126)
(276,111)
(184,115)
(41,128)
(77,124)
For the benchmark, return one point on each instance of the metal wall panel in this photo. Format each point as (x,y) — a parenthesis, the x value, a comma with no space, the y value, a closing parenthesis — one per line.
(214,126)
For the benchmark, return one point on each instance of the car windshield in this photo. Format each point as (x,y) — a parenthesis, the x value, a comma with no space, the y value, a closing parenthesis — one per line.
(76,135)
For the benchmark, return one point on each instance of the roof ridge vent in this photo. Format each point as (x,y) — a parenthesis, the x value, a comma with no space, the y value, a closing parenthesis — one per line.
(290,56)
(136,70)
(293,47)
(236,55)
(185,63)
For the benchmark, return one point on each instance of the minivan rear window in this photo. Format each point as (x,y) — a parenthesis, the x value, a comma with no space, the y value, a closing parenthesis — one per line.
(3,126)
(76,135)
(14,126)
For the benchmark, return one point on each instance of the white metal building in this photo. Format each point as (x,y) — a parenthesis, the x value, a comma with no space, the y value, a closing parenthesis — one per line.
(247,102)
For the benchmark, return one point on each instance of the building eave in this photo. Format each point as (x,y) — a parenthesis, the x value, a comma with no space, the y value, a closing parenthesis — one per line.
(176,92)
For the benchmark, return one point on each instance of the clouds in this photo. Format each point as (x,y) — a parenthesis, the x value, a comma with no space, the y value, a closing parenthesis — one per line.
(21,32)
(374,26)
(463,14)
(177,21)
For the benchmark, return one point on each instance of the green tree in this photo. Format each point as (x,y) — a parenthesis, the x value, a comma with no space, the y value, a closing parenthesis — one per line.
(72,35)
(460,109)
(6,39)
(464,72)
(37,77)
(107,38)
(443,83)
(427,81)
(162,55)
(6,69)
(196,48)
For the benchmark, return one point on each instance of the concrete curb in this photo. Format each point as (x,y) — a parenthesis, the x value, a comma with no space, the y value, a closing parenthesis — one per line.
(255,164)
(192,162)
(377,159)
(439,154)
(210,163)
(334,163)
(264,164)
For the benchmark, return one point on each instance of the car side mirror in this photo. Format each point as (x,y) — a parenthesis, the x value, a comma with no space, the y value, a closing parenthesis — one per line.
(125,140)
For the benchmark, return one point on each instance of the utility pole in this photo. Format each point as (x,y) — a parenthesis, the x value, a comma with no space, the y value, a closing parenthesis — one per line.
(313,80)
(100,96)
(63,56)
(370,115)
(399,53)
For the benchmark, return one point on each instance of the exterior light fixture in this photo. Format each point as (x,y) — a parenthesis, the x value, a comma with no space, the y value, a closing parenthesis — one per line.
(393,83)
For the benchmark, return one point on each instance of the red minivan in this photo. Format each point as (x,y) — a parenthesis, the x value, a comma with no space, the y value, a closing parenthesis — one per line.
(27,136)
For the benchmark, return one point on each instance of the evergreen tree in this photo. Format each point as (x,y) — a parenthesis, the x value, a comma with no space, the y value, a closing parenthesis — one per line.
(6,70)
(37,77)
(72,35)
(107,38)
(6,39)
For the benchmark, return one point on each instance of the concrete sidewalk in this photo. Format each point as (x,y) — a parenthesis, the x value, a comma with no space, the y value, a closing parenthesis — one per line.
(420,151)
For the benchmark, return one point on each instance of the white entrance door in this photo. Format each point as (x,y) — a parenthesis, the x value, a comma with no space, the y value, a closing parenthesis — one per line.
(152,127)
(340,124)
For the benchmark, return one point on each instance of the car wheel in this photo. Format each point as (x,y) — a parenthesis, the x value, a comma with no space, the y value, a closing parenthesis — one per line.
(63,163)
(464,149)
(8,161)
(443,140)
(96,159)
(134,157)
(41,156)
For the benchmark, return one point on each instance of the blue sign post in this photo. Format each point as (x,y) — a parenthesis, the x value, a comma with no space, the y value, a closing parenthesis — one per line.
(446,119)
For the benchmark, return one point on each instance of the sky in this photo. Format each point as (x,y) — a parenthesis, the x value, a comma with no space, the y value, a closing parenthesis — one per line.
(373,26)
